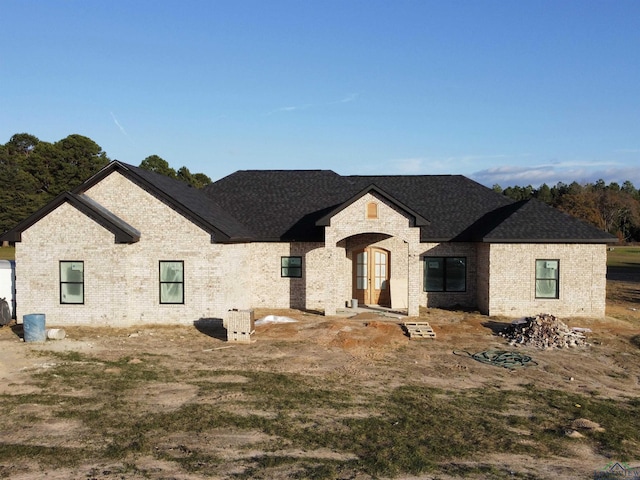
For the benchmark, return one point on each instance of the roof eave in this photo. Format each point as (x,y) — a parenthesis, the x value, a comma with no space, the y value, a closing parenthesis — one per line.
(551,240)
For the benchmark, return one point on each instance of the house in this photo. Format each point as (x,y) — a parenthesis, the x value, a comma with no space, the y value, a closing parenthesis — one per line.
(129,246)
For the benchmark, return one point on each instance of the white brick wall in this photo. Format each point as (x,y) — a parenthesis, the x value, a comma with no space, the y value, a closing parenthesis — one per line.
(122,281)
(268,289)
(582,279)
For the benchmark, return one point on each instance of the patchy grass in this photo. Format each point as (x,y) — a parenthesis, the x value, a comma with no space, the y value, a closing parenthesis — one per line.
(623,257)
(623,277)
(409,429)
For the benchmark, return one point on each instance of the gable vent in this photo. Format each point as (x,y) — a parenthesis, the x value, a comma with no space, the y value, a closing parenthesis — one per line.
(372,210)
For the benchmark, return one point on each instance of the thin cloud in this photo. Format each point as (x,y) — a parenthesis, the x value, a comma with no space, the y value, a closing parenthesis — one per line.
(115,120)
(349,98)
(578,164)
(552,174)
(290,109)
(408,166)
(441,165)
(293,108)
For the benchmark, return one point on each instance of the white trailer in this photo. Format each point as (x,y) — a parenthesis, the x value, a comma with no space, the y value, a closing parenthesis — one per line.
(8,286)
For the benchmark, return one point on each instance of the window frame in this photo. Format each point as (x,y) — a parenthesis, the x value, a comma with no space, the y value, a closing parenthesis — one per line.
(285,269)
(165,282)
(556,279)
(445,275)
(67,282)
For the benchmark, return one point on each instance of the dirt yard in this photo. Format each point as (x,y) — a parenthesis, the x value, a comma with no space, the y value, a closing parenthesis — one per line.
(57,424)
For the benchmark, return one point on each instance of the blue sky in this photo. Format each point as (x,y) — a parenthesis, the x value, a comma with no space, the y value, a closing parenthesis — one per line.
(508,92)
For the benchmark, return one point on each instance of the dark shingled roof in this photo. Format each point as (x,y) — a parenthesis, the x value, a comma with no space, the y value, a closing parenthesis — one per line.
(281,205)
(295,205)
(292,205)
(533,220)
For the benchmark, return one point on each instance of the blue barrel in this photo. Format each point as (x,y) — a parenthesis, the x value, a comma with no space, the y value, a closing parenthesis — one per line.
(34,327)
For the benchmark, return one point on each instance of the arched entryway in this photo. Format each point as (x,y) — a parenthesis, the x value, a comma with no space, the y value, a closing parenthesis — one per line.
(371,273)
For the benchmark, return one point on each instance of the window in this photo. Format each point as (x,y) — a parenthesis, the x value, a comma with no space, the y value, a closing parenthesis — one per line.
(291,267)
(445,274)
(547,279)
(372,210)
(72,282)
(172,282)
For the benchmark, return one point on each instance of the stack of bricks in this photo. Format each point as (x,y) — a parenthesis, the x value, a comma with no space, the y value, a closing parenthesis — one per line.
(240,326)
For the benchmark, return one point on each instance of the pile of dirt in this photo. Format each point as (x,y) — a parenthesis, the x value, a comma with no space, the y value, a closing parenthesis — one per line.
(543,331)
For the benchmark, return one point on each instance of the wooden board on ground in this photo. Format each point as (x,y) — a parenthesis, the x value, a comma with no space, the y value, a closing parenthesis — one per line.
(419,330)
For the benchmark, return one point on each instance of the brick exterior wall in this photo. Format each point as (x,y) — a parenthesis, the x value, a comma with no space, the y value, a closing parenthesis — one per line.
(582,272)
(122,281)
(268,289)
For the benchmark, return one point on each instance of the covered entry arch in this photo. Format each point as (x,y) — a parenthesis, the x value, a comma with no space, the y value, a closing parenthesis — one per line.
(376,270)
(392,231)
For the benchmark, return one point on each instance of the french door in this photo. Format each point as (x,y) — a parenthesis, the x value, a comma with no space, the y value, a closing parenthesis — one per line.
(371,276)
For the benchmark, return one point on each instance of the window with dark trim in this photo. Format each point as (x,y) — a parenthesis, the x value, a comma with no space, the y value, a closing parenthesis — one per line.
(72,282)
(445,274)
(547,278)
(172,281)
(291,267)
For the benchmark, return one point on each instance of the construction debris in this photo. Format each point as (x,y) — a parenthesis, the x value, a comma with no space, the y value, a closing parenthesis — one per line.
(543,331)
(419,330)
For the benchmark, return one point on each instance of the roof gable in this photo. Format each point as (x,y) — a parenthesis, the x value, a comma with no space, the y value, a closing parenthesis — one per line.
(450,202)
(418,220)
(190,202)
(123,232)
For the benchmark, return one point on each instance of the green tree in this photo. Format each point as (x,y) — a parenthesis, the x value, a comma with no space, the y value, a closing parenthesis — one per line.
(22,143)
(629,189)
(32,172)
(544,194)
(80,158)
(185,175)
(156,164)
(197,180)
(200,180)
(519,193)
(16,189)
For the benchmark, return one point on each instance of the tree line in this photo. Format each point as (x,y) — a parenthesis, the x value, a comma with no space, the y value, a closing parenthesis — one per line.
(613,208)
(33,172)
